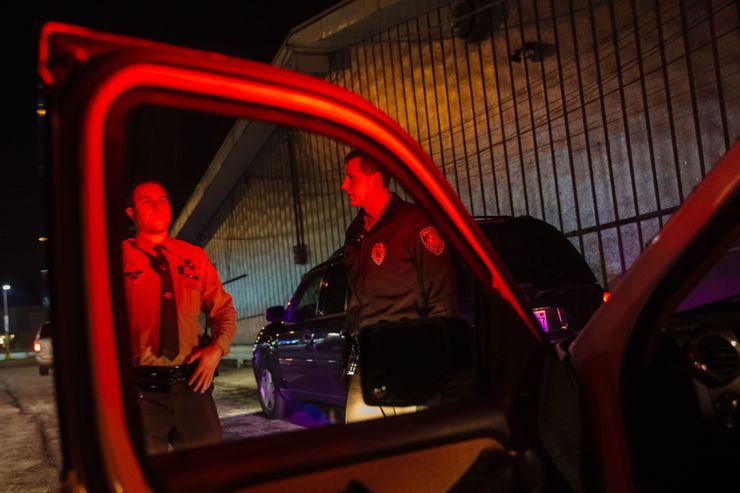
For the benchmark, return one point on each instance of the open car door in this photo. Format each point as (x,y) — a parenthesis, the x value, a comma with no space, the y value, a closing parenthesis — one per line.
(517,425)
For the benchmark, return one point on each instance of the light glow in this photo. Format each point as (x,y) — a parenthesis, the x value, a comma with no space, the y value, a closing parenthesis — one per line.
(541,316)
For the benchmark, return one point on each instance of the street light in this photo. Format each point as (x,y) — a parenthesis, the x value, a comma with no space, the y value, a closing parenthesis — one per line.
(6,288)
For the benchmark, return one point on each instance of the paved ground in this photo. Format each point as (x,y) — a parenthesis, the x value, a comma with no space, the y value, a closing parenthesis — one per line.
(29,434)
(30,452)
(239,408)
(241,415)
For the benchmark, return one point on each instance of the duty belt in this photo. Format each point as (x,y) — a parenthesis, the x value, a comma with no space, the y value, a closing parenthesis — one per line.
(161,378)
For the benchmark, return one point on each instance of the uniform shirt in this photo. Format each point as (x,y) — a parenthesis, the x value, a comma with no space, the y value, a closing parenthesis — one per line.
(197,289)
(400,269)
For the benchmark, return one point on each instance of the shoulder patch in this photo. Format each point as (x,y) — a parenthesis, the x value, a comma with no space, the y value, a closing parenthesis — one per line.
(432,240)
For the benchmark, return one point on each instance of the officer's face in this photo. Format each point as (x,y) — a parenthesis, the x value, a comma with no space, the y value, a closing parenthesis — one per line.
(358,186)
(151,211)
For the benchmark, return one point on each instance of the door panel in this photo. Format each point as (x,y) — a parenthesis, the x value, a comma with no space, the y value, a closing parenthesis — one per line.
(295,351)
(330,335)
(330,341)
(256,463)
(434,469)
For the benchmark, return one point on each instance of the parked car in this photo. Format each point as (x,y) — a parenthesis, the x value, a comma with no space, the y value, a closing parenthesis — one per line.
(553,276)
(43,349)
(298,355)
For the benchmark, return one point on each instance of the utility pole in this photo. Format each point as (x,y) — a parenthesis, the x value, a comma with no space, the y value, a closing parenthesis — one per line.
(6,322)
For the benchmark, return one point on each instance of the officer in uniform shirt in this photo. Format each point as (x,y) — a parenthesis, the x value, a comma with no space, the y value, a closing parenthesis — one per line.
(397,264)
(168,283)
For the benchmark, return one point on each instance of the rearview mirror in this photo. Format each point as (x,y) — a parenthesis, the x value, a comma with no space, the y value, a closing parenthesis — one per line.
(275,314)
(408,362)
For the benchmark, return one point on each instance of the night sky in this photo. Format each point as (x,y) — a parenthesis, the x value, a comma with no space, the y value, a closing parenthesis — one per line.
(248,29)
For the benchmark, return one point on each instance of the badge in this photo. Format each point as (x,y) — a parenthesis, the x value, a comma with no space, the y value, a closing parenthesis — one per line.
(378,253)
(432,240)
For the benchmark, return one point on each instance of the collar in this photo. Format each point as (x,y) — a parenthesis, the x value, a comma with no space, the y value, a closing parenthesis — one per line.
(389,211)
(356,230)
(147,246)
(368,225)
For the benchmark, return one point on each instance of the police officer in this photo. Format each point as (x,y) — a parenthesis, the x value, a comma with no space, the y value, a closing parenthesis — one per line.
(398,265)
(168,283)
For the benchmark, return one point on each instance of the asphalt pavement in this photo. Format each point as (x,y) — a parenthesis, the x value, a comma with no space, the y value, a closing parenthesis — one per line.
(31,455)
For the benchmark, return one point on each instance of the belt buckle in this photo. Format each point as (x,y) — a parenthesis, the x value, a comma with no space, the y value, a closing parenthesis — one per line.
(175,375)
(159,378)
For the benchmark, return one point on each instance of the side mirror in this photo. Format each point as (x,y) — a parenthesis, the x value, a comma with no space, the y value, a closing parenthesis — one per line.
(275,314)
(406,363)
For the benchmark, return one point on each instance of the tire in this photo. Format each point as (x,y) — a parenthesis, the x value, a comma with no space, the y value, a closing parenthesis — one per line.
(274,404)
(43,370)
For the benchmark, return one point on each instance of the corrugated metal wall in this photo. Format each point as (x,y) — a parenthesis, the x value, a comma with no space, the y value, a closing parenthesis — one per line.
(254,232)
(603,133)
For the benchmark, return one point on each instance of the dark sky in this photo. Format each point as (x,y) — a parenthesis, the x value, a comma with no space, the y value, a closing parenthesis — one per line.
(246,29)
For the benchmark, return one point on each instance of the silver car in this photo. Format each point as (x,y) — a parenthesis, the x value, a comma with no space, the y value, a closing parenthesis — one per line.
(43,348)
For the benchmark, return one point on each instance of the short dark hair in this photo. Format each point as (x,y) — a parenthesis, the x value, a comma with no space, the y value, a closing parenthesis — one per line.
(135,185)
(369,165)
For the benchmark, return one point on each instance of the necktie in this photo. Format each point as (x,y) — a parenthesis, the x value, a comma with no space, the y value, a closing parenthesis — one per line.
(169,345)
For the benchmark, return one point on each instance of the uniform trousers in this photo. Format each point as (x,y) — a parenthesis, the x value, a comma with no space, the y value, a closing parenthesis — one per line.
(180,418)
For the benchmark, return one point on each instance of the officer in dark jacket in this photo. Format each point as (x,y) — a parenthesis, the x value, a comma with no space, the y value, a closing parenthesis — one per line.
(398,265)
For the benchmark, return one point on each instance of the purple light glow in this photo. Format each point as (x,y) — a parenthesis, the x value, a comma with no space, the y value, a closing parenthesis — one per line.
(541,318)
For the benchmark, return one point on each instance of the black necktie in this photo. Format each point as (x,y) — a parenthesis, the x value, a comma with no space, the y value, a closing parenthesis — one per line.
(169,345)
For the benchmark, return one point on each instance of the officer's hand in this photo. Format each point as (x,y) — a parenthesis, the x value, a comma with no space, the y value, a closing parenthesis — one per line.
(208,358)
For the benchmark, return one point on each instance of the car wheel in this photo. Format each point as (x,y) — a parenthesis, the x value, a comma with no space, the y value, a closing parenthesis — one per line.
(43,370)
(274,404)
